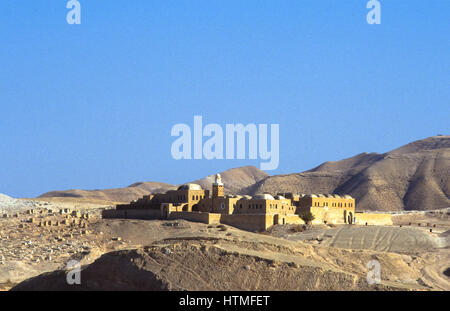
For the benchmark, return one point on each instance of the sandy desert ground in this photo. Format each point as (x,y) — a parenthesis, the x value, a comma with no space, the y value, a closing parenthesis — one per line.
(181,255)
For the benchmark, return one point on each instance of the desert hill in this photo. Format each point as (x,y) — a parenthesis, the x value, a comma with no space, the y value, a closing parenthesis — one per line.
(125,194)
(183,255)
(413,177)
(223,258)
(234,179)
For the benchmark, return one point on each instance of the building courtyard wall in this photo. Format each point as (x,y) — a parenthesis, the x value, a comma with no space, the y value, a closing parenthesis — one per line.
(256,213)
(371,219)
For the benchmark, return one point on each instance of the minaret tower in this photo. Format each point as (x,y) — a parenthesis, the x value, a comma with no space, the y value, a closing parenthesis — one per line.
(217,187)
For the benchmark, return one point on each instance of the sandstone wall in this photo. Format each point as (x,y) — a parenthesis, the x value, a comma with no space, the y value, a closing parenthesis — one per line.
(373,219)
(191,216)
(294,219)
(132,214)
(255,222)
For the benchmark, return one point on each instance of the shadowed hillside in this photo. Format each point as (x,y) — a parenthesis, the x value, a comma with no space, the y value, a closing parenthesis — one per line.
(211,262)
(413,177)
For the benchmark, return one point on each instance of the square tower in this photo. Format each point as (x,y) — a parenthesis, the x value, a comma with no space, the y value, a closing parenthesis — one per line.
(217,188)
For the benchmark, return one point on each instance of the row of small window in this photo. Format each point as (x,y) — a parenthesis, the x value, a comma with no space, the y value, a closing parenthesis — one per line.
(260,206)
(334,204)
(252,206)
(194,197)
(282,207)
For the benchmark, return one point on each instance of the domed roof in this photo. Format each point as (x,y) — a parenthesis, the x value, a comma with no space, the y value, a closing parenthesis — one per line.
(330,196)
(247,197)
(347,196)
(264,196)
(190,187)
(311,196)
(337,196)
(321,196)
(280,197)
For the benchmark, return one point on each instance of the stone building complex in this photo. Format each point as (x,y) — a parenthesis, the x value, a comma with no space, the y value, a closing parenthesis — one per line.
(256,213)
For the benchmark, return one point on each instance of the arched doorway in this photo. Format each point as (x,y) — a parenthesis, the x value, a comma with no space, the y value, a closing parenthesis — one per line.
(276,219)
(345,216)
(165,212)
(350,218)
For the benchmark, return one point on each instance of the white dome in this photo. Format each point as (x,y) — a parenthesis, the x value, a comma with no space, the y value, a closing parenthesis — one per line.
(237,196)
(264,196)
(280,197)
(347,196)
(190,187)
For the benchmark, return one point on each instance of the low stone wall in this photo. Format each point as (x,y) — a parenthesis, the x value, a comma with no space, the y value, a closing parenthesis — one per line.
(373,219)
(248,222)
(245,222)
(294,219)
(252,222)
(214,218)
(132,214)
(191,216)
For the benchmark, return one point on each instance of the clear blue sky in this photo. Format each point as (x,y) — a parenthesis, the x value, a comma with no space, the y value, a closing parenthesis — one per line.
(92,105)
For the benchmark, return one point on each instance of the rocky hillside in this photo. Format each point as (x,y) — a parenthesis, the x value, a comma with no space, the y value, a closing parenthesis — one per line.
(125,194)
(413,177)
(217,263)
(8,204)
(235,179)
